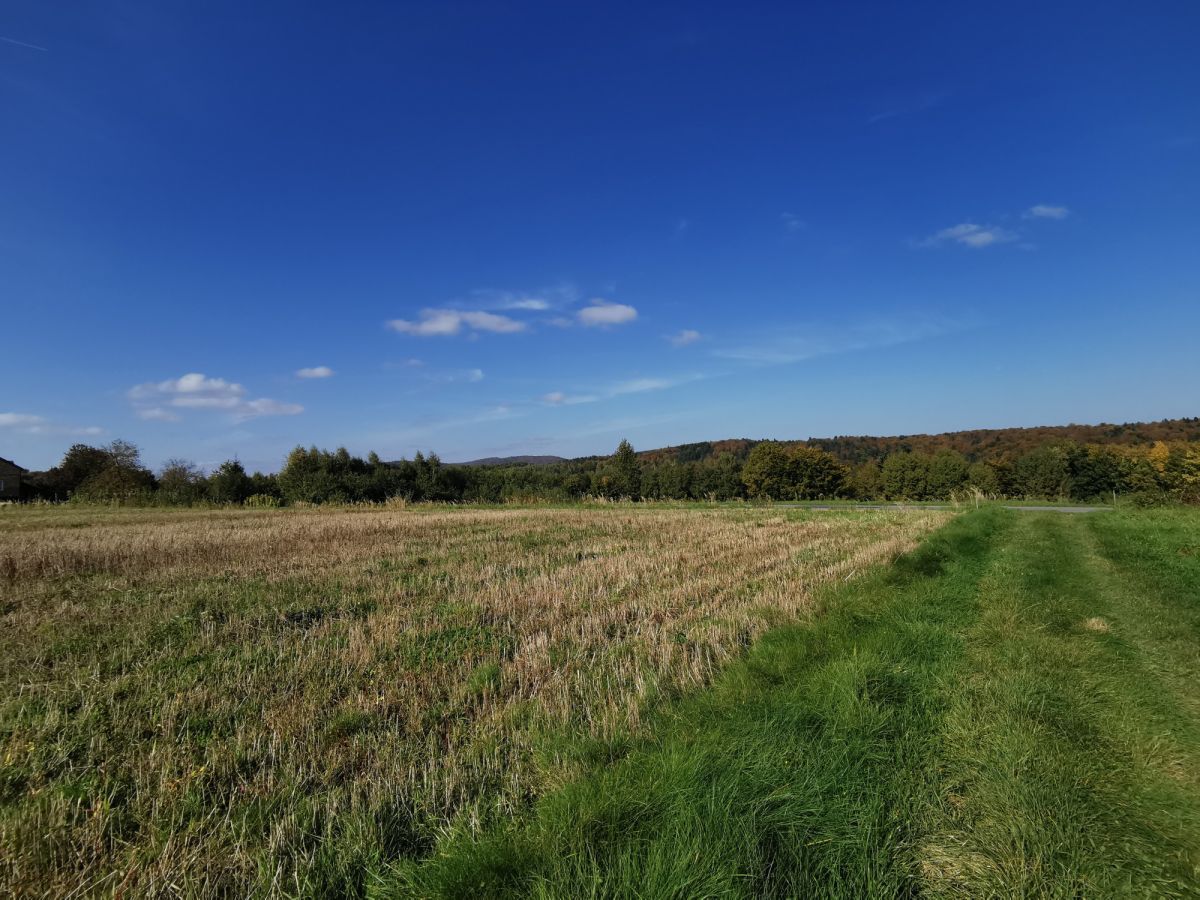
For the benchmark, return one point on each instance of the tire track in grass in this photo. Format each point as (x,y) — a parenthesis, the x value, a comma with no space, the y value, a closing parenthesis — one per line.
(1057,732)
(1156,555)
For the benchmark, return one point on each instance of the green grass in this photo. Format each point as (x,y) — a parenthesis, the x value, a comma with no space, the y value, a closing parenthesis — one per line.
(1011,710)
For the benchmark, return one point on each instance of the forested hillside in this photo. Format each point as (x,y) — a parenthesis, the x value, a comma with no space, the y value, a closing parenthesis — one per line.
(979,445)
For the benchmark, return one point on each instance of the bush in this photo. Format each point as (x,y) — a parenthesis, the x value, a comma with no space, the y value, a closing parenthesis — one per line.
(1148,499)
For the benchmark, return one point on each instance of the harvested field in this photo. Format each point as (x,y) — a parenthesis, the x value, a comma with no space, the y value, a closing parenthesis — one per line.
(198,703)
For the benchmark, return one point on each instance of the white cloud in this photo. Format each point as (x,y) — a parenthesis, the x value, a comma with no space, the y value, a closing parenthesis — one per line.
(603,313)
(27,423)
(685,337)
(315,372)
(191,390)
(448,322)
(969,235)
(432,322)
(533,303)
(1045,211)
(197,391)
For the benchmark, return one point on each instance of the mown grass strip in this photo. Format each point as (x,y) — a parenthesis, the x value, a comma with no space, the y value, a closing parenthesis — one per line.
(807,770)
(1071,756)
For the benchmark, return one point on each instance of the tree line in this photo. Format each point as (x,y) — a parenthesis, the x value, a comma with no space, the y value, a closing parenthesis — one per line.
(1158,472)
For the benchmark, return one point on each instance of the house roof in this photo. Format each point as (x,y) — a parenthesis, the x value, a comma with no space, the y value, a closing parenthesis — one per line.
(9,462)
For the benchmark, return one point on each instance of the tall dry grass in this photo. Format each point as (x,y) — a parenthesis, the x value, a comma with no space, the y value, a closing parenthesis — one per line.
(280,702)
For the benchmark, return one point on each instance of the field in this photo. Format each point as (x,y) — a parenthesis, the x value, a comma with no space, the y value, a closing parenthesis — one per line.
(1009,711)
(303,702)
(608,702)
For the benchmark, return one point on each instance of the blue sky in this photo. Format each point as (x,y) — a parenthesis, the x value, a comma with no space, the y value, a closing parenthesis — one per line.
(537,228)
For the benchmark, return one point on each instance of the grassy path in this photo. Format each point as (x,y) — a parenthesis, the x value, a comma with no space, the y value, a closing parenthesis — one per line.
(1011,710)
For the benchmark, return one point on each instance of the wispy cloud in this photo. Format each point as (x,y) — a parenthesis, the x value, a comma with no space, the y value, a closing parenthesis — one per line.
(28,423)
(1046,211)
(449,322)
(641,385)
(976,236)
(528,303)
(9,40)
(422,430)
(617,389)
(458,376)
(685,337)
(602,313)
(621,427)
(791,222)
(919,104)
(264,406)
(156,400)
(20,420)
(969,234)
(556,295)
(558,398)
(157,414)
(315,372)
(787,346)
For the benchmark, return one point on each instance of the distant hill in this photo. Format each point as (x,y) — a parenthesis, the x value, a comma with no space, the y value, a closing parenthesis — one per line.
(514,461)
(989,443)
(976,445)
